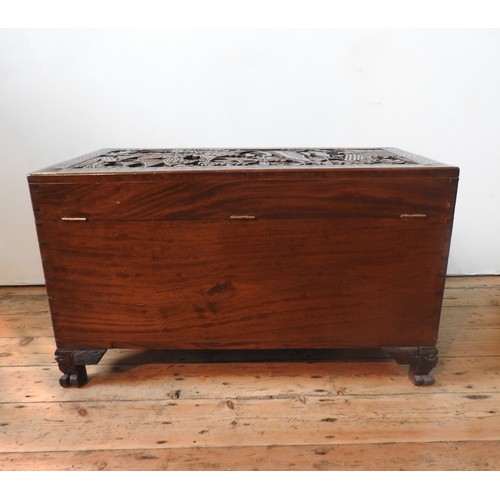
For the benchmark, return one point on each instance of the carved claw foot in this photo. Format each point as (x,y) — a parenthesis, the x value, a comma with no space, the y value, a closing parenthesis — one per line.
(76,379)
(424,361)
(422,379)
(421,360)
(72,364)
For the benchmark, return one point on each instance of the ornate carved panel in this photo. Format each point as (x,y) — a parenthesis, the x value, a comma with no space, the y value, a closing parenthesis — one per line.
(144,159)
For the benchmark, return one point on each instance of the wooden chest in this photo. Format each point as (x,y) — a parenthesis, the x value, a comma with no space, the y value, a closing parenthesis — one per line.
(245,249)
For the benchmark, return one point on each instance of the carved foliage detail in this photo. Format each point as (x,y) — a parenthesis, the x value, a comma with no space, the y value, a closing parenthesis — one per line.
(216,158)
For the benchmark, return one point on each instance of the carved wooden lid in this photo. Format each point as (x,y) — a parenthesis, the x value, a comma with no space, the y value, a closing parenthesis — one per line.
(143,160)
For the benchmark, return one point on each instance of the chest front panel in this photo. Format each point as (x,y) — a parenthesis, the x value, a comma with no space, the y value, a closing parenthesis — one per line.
(246,259)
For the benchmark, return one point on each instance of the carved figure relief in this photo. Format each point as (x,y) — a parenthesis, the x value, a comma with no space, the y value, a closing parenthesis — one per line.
(252,158)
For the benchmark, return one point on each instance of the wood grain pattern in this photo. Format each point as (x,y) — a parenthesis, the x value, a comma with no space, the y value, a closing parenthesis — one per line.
(451,455)
(208,196)
(251,422)
(200,284)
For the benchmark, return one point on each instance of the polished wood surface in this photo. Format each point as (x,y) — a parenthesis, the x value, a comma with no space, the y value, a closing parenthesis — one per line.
(154,410)
(271,195)
(241,284)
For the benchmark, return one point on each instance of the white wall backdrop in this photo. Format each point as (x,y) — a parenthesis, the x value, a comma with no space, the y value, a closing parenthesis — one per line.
(64,93)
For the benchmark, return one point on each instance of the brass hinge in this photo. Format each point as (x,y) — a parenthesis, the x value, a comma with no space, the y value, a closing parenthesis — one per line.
(242,217)
(413,216)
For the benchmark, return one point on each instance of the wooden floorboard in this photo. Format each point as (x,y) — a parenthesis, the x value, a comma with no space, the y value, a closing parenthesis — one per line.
(144,410)
(454,455)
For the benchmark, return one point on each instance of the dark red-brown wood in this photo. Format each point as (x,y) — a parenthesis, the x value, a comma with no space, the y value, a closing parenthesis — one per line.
(322,258)
(218,196)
